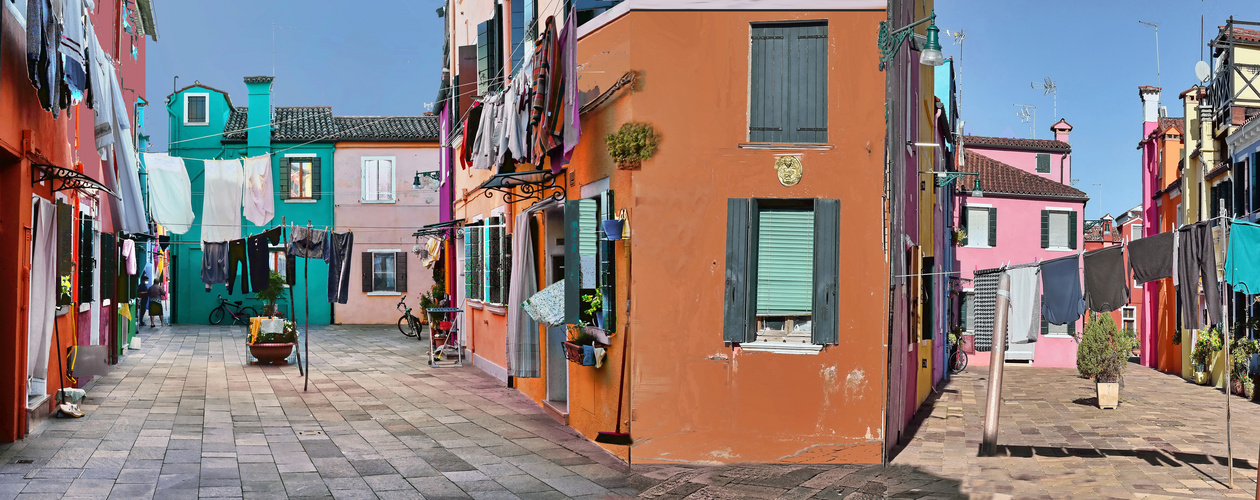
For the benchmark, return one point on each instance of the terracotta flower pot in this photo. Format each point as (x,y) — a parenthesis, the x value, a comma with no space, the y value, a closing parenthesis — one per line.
(270,354)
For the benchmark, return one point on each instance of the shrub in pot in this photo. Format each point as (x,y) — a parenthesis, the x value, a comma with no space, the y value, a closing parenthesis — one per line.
(1103,354)
(1206,344)
(269,295)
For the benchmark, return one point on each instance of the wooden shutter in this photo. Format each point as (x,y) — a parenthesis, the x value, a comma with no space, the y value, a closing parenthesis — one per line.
(807,95)
(1072,230)
(400,272)
(607,263)
(368,271)
(483,57)
(768,94)
(316,184)
(965,224)
(468,261)
(109,266)
(993,227)
(476,275)
(505,262)
(1043,163)
(284,178)
(1045,325)
(572,262)
(739,285)
(1045,229)
(826,324)
(65,250)
(87,263)
(491,269)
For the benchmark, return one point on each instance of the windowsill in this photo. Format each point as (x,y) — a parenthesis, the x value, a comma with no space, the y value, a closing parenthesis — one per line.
(302,200)
(32,404)
(85,307)
(781,347)
(789,146)
(378,202)
(977,246)
(476,304)
(1060,249)
(496,309)
(384,294)
(186,124)
(1058,336)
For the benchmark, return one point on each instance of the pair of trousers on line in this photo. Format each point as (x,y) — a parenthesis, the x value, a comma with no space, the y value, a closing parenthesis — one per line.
(259,252)
(337,253)
(1196,260)
(236,261)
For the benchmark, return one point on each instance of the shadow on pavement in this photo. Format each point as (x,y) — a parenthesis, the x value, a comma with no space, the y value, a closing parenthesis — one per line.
(794,480)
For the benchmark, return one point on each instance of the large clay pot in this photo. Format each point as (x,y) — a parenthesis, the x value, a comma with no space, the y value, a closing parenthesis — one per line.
(1108,395)
(270,354)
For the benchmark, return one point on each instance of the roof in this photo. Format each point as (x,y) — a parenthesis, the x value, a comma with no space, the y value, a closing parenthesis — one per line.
(197,83)
(318,123)
(1172,186)
(1048,145)
(1094,232)
(259,79)
(1064,122)
(1238,35)
(1001,179)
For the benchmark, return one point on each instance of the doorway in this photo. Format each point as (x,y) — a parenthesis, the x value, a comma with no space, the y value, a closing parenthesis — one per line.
(557,363)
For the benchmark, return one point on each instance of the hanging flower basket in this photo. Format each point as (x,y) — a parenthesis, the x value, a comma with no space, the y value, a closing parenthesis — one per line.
(573,352)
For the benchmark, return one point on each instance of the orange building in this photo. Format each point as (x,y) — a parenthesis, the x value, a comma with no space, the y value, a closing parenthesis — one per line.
(1162,161)
(731,356)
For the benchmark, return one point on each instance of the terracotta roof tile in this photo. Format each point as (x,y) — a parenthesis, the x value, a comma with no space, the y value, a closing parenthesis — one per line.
(1001,179)
(236,123)
(1048,145)
(387,128)
(303,123)
(318,123)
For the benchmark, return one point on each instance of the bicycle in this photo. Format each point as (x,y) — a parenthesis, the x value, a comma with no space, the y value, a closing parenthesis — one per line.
(240,315)
(957,357)
(408,324)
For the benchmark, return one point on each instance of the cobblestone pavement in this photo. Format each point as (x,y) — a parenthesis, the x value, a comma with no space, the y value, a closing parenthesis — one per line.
(186,417)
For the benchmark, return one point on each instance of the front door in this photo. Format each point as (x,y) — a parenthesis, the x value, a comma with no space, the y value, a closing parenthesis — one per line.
(557,363)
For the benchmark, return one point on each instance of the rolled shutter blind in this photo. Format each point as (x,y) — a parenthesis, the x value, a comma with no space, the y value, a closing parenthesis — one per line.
(785,262)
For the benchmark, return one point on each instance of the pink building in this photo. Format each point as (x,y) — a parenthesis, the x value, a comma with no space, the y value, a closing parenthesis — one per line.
(1021,190)
(376,167)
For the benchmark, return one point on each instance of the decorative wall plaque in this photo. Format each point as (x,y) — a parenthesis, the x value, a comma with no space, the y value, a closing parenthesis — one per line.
(790,170)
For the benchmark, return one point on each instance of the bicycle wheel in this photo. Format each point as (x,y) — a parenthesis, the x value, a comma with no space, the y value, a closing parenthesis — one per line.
(416,327)
(216,316)
(404,326)
(243,315)
(959,361)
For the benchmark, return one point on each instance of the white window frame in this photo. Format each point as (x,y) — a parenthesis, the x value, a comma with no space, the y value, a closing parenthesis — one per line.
(1051,334)
(1135,232)
(1129,309)
(393,182)
(196,124)
(393,252)
(485,253)
(290,198)
(971,242)
(971,311)
(1064,210)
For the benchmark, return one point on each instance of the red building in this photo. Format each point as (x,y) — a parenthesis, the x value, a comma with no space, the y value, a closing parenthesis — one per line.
(1110,231)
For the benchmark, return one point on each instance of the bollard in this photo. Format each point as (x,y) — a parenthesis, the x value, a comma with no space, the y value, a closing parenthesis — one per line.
(992,406)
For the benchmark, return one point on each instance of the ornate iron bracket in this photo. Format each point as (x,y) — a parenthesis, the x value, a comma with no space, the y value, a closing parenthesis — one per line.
(890,40)
(65,178)
(440,228)
(532,185)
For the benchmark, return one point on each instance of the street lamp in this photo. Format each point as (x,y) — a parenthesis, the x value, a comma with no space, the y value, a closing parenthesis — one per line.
(931,55)
(890,42)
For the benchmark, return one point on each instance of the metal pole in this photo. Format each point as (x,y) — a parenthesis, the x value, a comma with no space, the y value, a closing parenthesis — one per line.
(1229,365)
(306,334)
(992,407)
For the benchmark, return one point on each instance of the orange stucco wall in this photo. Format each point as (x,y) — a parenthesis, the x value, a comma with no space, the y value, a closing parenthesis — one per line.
(1167,355)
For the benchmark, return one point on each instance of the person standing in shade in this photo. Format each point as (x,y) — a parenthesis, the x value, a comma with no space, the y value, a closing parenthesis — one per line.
(144,298)
(156,295)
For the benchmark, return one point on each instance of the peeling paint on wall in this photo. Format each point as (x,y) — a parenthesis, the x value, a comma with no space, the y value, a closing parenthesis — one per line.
(830,386)
(719,357)
(855,384)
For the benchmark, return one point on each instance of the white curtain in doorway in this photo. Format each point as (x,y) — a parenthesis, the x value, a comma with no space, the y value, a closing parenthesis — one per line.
(43,306)
(524,358)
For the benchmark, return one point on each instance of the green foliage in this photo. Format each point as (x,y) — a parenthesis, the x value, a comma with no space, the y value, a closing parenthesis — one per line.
(578,335)
(1176,336)
(633,143)
(1241,349)
(1206,343)
(594,302)
(433,298)
(1104,351)
(275,288)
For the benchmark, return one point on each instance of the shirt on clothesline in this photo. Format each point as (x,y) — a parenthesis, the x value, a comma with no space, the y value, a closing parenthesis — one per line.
(1106,283)
(1062,302)
(221,208)
(1242,260)
(1151,258)
(170,192)
(259,197)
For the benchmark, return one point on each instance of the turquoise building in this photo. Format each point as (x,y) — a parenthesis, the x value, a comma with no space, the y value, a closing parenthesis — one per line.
(205,125)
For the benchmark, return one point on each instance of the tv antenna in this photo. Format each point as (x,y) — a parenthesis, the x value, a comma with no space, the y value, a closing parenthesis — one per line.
(1051,89)
(1156,26)
(1028,114)
(959,36)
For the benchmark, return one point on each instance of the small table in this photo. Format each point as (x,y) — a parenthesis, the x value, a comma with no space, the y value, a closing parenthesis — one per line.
(445,331)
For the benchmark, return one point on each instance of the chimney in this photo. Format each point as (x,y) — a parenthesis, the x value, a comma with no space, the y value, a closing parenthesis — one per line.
(258,137)
(1150,103)
(1061,130)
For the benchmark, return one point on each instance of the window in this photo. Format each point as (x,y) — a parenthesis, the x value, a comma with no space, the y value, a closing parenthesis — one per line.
(1048,329)
(1043,163)
(87,258)
(1128,319)
(1058,229)
(490,53)
(589,265)
(981,226)
(524,27)
(967,308)
(782,271)
(300,177)
(488,260)
(378,180)
(196,110)
(788,82)
(384,272)
(1135,232)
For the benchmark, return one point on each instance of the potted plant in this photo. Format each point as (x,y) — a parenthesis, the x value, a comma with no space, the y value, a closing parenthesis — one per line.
(1241,350)
(272,345)
(269,295)
(429,300)
(631,144)
(1103,354)
(1206,344)
(960,236)
(595,307)
(581,345)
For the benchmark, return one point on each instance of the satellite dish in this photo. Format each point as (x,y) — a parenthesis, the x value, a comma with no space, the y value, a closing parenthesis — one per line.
(1202,71)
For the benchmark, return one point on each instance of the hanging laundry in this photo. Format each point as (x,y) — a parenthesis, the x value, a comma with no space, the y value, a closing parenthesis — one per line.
(258,250)
(1024,322)
(572,102)
(1176,275)
(73,45)
(1197,266)
(1242,260)
(486,144)
(236,261)
(1062,301)
(259,196)
(307,242)
(100,96)
(170,192)
(547,98)
(518,107)
(43,62)
(1106,283)
(340,247)
(221,210)
(1151,258)
(129,256)
(214,255)
(472,122)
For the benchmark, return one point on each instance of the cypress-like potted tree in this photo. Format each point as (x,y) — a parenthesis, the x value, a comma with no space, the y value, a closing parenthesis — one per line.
(1103,354)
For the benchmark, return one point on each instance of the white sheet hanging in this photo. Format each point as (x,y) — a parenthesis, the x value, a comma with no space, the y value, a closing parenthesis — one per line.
(43,306)
(260,204)
(170,192)
(221,207)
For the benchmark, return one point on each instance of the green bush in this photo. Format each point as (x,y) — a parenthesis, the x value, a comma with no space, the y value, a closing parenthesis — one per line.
(1206,343)
(1104,351)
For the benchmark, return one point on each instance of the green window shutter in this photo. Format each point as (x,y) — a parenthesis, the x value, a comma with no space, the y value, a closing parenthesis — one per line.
(607,264)
(1045,326)
(1072,328)
(109,266)
(807,96)
(400,272)
(1072,230)
(826,325)
(368,271)
(993,227)
(65,251)
(491,269)
(478,263)
(572,261)
(284,178)
(588,218)
(504,267)
(316,178)
(964,224)
(768,97)
(1045,229)
(736,311)
(1043,163)
(785,263)
(468,261)
(483,57)
(87,263)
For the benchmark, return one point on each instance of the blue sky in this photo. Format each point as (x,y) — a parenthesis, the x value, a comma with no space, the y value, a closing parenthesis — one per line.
(382,57)
(1097,53)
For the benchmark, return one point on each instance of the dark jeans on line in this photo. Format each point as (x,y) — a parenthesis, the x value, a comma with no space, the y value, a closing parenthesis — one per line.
(236,258)
(256,247)
(337,254)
